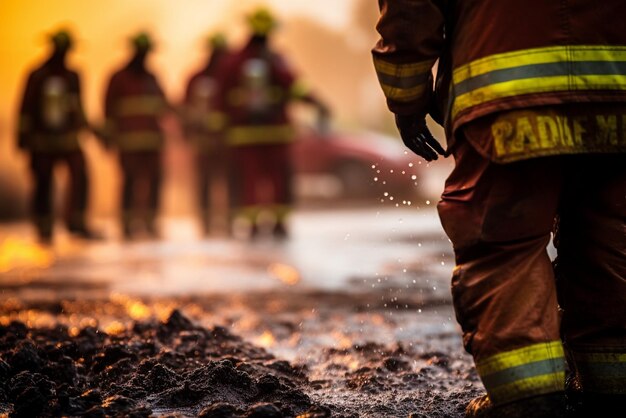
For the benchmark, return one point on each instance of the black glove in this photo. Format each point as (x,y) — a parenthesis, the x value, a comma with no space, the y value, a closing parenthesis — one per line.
(417,137)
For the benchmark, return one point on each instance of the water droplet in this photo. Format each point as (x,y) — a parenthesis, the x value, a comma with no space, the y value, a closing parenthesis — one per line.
(428,202)
(390,197)
(386,194)
(391,171)
(373,165)
(403,172)
(410,164)
(403,270)
(413,177)
(443,263)
(375,178)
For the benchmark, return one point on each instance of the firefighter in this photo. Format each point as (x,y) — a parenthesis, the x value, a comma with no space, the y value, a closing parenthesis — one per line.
(532,96)
(203,126)
(255,88)
(51,118)
(134,106)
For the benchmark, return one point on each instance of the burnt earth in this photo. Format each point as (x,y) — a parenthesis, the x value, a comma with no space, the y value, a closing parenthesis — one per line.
(152,366)
(298,354)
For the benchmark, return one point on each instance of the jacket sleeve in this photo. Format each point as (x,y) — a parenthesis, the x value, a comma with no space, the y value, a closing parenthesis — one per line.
(26,116)
(411,41)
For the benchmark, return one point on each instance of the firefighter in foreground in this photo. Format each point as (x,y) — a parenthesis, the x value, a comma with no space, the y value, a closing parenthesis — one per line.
(255,88)
(533,99)
(203,126)
(51,118)
(134,106)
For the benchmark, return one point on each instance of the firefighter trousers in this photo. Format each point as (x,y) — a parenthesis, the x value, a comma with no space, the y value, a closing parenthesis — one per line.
(261,178)
(42,167)
(514,313)
(141,190)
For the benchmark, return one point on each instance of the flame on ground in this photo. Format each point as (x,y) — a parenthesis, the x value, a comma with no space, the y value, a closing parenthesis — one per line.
(19,253)
(266,340)
(284,272)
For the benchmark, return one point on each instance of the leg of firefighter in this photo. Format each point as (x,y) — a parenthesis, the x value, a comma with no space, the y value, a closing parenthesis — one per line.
(591,272)
(77,197)
(281,178)
(248,175)
(204,169)
(154,174)
(128,194)
(499,219)
(42,168)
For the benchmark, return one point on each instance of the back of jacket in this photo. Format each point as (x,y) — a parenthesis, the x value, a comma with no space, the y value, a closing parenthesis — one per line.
(51,113)
(134,105)
(499,55)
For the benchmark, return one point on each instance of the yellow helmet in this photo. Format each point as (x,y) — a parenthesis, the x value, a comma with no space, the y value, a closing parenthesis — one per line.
(262,21)
(142,41)
(218,41)
(62,38)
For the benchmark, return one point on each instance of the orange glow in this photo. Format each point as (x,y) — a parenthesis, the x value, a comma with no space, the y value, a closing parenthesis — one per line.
(266,340)
(17,253)
(310,33)
(285,273)
(115,328)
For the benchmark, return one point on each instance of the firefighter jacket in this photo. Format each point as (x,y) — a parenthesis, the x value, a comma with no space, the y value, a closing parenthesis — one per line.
(255,88)
(516,62)
(134,105)
(51,113)
(202,122)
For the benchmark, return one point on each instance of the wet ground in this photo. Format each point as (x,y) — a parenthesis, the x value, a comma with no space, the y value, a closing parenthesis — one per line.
(350,317)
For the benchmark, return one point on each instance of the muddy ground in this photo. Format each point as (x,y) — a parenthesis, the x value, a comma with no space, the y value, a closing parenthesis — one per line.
(262,354)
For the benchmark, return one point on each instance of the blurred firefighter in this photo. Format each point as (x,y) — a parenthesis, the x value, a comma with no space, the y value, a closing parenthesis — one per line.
(51,118)
(517,81)
(134,106)
(255,88)
(203,126)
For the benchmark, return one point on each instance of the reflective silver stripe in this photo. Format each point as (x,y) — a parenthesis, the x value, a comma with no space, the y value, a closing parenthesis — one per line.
(403,82)
(541,70)
(523,372)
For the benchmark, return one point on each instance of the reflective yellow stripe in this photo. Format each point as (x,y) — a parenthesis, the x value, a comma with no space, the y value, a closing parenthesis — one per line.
(521,356)
(249,135)
(601,372)
(403,95)
(403,82)
(539,56)
(523,372)
(536,385)
(54,142)
(403,70)
(147,105)
(139,141)
(553,69)
(299,89)
(537,85)
(215,121)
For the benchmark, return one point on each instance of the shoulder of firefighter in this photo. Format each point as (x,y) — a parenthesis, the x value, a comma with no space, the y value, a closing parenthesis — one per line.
(134,105)
(493,59)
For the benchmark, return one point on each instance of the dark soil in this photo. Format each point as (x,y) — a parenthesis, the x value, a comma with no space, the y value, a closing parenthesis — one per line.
(181,366)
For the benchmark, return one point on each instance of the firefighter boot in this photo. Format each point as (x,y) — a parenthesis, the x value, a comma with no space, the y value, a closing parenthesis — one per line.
(551,405)
(81,230)
(280,231)
(582,404)
(44,226)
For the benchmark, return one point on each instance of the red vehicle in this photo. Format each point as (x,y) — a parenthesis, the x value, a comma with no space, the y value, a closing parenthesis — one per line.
(354,165)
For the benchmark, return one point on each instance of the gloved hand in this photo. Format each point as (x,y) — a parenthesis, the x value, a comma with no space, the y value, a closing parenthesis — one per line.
(417,137)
